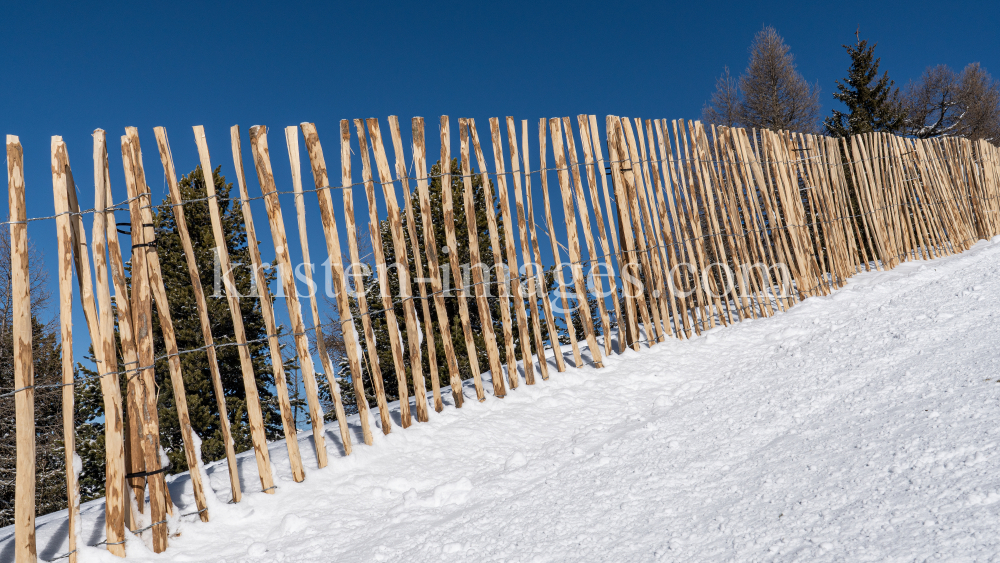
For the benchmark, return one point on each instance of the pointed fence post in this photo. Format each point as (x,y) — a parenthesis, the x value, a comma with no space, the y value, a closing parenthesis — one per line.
(24,376)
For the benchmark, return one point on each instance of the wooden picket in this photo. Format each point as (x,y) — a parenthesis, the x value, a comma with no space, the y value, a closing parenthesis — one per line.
(430,243)
(537,284)
(65,269)
(382,274)
(403,279)
(66,203)
(167,159)
(361,297)
(142,318)
(266,305)
(475,263)
(159,295)
(627,258)
(283,262)
(499,266)
(529,274)
(411,231)
(292,139)
(24,377)
(511,271)
(338,278)
(558,273)
(573,235)
(588,234)
(254,415)
(106,250)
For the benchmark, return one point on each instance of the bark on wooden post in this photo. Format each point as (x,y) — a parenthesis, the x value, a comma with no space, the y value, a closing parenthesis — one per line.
(191,455)
(267,311)
(24,376)
(357,273)
(430,244)
(448,208)
(338,277)
(142,311)
(292,140)
(254,415)
(411,230)
(167,159)
(283,261)
(403,275)
(64,237)
(65,202)
(485,318)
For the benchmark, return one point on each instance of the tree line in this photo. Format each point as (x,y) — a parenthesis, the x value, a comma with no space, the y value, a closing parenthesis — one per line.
(772,94)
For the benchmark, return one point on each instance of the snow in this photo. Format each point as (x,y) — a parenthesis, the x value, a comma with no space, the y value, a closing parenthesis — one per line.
(855,427)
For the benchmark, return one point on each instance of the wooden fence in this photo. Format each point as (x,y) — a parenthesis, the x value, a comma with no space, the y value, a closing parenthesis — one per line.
(685,227)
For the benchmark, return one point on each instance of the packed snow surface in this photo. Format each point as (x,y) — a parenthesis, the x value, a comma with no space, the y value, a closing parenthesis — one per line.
(856,427)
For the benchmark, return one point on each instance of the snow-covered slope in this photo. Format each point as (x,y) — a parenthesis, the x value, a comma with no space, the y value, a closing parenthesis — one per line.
(856,427)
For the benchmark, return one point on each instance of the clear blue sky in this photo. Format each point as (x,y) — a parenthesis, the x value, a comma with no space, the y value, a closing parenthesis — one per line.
(69,68)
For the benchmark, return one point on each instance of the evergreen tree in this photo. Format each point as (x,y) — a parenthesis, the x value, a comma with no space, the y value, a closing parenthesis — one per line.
(184,315)
(374,301)
(873,104)
(194,365)
(379,323)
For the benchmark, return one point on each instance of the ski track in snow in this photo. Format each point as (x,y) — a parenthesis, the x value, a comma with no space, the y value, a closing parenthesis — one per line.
(855,427)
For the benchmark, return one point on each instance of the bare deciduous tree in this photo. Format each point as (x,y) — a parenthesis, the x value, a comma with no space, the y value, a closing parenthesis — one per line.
(946,103)
(724,106)
(770,94)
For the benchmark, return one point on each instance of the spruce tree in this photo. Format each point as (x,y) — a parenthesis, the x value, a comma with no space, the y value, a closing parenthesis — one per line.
(194,365)
(873,103)
(457,337)
(184,315)
(379,323)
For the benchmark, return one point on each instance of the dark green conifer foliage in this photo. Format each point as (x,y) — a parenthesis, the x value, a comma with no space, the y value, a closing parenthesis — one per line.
(873,103)
(384,352)
(184,315)
(194,365)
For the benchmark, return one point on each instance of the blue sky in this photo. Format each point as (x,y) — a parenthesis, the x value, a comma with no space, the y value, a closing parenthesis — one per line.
(69,68)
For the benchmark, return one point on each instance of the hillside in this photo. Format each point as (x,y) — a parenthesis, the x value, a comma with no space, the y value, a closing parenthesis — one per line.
(859,427)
